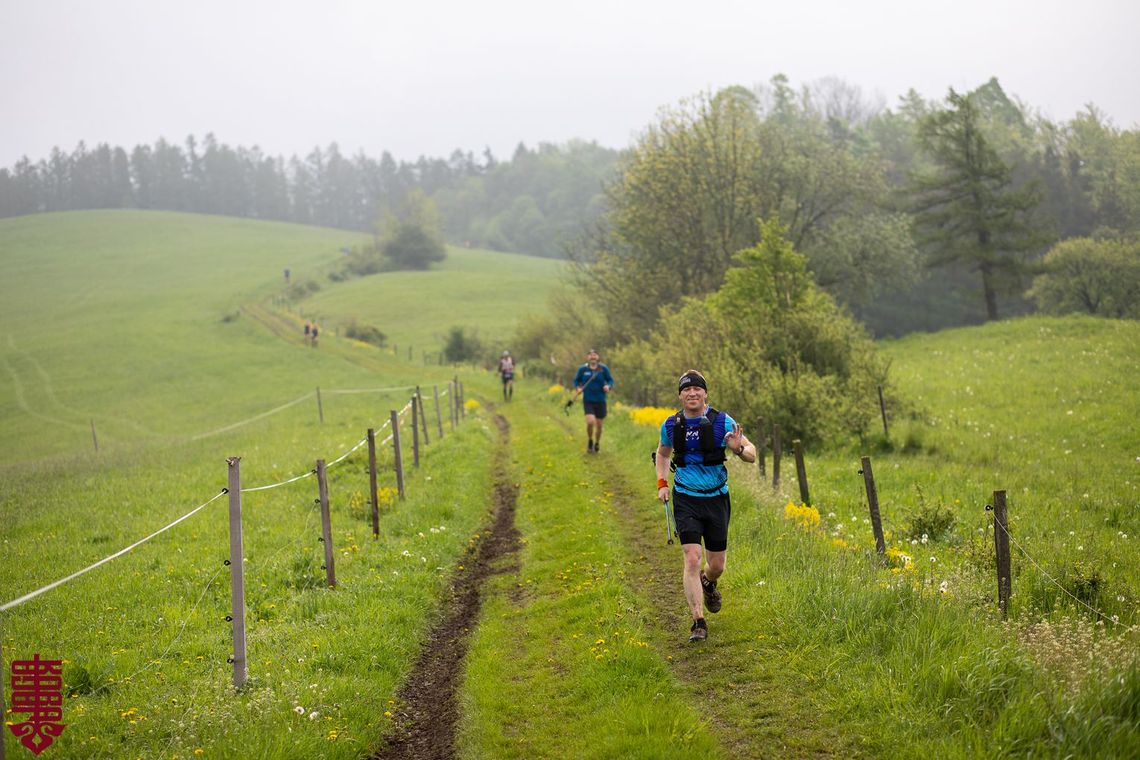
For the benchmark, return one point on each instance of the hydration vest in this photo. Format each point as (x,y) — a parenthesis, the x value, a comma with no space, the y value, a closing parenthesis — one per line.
(712,445)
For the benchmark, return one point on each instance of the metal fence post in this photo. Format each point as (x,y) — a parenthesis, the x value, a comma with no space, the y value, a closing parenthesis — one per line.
(423,415)
(415,433)
(326,522)
(398,454)
(237,573)
(372,483)
(438,416)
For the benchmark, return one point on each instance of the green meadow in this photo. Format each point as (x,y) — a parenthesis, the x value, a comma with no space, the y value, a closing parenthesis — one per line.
(482,291)
(168,331)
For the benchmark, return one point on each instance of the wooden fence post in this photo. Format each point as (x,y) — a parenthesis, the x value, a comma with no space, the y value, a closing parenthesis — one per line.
(320,407)
(423,415)
(237,573)
(1001,550)
(873,504)
(372,483)
(883,411)
(94,438)
(776,451)
(760,446)
(438,416)
(398,458)
(326,522)
(462,405)
(801,471)
(415,433)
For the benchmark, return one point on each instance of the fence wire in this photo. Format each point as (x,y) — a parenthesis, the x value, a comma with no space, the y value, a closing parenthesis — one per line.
(105,560)
(32,595)
(1054,581)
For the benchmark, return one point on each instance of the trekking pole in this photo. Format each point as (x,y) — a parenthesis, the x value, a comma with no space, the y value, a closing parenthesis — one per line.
(670,525)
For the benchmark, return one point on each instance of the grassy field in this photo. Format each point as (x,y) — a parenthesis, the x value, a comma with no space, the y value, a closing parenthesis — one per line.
(1042,408)
(580,649)
(480,290)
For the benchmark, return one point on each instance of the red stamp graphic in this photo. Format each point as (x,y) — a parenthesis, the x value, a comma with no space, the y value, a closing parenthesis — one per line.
(37,689)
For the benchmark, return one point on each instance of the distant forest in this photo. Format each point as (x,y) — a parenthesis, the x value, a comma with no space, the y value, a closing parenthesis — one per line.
(866,190)
(526,204)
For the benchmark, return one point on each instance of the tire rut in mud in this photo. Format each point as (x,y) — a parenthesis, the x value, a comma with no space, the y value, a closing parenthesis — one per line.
(425,724)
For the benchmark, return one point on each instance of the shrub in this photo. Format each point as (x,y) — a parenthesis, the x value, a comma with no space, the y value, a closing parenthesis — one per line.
(461,345)
(1100,277)
(929,519)
(365,334)
(773,346)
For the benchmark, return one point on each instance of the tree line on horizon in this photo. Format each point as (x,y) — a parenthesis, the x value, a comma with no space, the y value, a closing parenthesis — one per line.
(524,204)
(927,215)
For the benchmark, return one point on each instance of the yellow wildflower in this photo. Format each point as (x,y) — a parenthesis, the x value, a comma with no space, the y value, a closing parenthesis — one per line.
(650,416)
(804,516)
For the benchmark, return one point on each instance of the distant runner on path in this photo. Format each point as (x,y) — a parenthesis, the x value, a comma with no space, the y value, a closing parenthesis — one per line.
(693,444)
(593,381)
(507,371)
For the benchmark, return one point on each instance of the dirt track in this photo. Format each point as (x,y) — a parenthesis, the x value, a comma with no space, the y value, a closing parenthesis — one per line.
(425,723)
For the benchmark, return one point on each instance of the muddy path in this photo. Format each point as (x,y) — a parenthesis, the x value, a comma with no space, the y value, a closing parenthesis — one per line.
(428,715)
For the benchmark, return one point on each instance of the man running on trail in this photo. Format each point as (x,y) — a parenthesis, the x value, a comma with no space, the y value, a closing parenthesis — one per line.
(694,441)
(593,381)
(507,370)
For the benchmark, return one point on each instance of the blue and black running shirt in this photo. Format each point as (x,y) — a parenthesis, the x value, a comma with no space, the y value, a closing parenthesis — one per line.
(697,478)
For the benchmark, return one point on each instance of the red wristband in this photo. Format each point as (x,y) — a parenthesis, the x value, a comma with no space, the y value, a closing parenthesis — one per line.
(662,483)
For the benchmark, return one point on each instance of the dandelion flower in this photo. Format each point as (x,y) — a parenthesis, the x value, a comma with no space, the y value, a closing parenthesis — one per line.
(314,715)
(299,710)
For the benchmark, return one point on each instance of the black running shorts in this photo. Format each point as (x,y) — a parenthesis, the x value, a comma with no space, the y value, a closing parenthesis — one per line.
(703,516)
(596,408)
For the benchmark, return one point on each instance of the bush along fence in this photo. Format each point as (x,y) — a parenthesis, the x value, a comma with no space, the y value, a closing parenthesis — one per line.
(998,507)
(452,395)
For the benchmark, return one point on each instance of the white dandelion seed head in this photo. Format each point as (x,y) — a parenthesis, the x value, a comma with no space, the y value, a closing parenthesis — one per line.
(299,710)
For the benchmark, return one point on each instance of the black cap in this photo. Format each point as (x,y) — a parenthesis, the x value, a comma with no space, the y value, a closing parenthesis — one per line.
(690,378)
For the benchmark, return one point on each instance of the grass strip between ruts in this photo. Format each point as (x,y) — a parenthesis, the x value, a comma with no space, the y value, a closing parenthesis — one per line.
(561,665)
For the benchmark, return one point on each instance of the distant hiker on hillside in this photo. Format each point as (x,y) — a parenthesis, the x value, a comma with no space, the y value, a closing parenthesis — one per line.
(315,331)
(507,371)
(693,444)
(308,330)
(593,381)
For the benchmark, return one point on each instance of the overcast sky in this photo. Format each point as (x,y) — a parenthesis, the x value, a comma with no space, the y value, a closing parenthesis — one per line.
(424,77)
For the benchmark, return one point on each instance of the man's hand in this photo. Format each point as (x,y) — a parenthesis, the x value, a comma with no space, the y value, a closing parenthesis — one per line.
(735,440)
(663,494)
(605,389)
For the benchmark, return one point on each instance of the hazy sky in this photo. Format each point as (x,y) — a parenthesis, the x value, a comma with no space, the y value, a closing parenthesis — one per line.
(423,77)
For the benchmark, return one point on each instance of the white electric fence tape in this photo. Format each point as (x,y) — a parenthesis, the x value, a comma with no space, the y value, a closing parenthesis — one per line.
(121,552)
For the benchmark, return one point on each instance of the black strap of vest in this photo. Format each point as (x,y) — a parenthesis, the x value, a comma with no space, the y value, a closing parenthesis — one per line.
(712,453)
